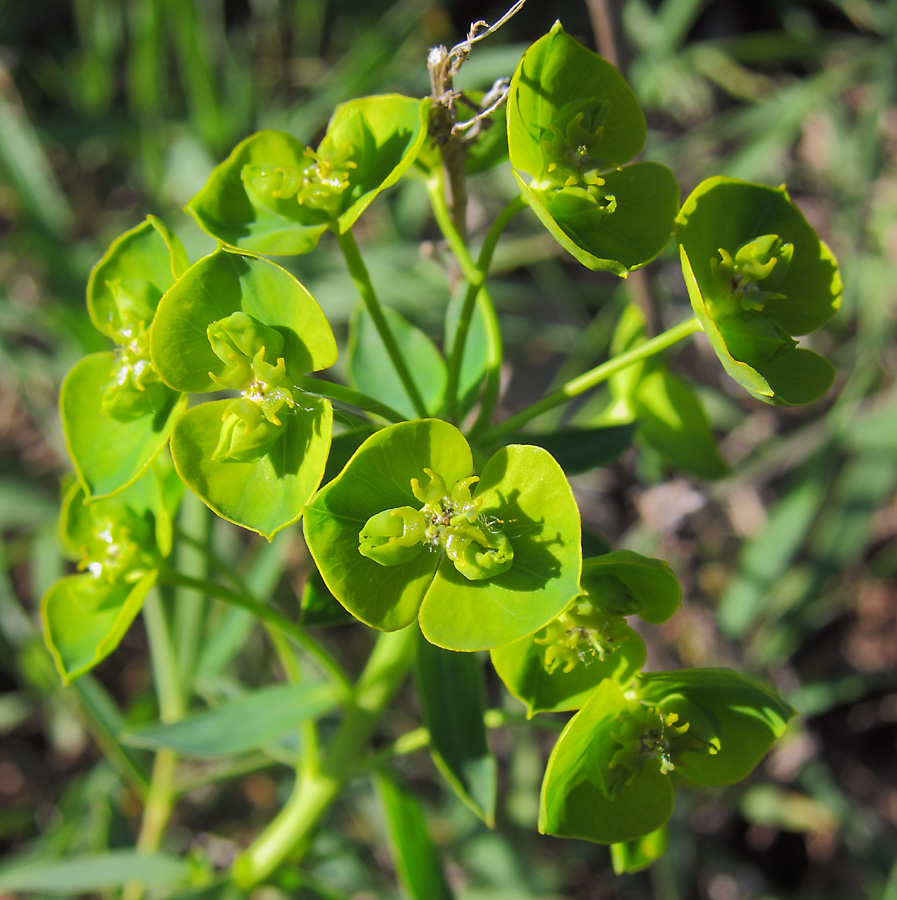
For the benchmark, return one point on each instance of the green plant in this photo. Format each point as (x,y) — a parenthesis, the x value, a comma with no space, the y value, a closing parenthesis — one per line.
(432,511)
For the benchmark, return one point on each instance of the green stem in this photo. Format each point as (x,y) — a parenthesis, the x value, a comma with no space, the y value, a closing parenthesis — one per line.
(307,729)
(288,834)
(474,289)
(164,656)
(166,672)
(265,614)
(190,606)
(475,274)
(352,398)
(365,287)
(592,378)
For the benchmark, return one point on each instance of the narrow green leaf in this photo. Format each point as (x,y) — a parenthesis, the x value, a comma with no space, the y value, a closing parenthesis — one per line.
(106,871)
(319,606)
(369,367)
(672,420)
(452,694)
(248,722)
(583,449)
(414,855)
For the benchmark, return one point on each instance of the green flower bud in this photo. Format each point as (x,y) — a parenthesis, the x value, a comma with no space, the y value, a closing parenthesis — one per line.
(134,389)
(114,550)
(246,434)
(646,734)
(478,552)
(394,536)
(236,340)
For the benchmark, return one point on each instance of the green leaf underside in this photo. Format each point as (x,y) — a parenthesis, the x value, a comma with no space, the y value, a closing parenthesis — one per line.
(369,368)
(451,692)
(650,584)
(266,495)
(633,856)
(555,70)
(575,799)
(521,667)
(145,260)
(79,875)
(745,717)
(583,449)
(647,198)
(667,412)
(85,619)
(521,486)
(224,209)
(223,283)
(109,453)
(244,723)
(414,855)
(672,420)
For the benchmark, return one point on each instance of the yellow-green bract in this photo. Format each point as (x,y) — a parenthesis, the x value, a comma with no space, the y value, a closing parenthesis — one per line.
(758,276)
(521,491)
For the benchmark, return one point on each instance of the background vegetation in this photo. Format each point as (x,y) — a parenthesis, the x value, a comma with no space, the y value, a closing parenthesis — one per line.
(109,110)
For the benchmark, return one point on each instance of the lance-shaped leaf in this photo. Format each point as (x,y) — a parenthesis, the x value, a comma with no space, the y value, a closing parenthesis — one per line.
(370,369)
(666,410)
(116,413)
(743,717)
(758,276)
(452,698)
(238,321)
(583,794)
(572,124)
(522,503)
(415,857)
(272,195)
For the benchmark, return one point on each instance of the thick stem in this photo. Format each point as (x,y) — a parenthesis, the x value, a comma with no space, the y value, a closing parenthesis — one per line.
(289,833)
(592,378)
(365,287)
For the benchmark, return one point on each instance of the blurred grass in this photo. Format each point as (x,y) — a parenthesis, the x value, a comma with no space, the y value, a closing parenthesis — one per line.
(111,110)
